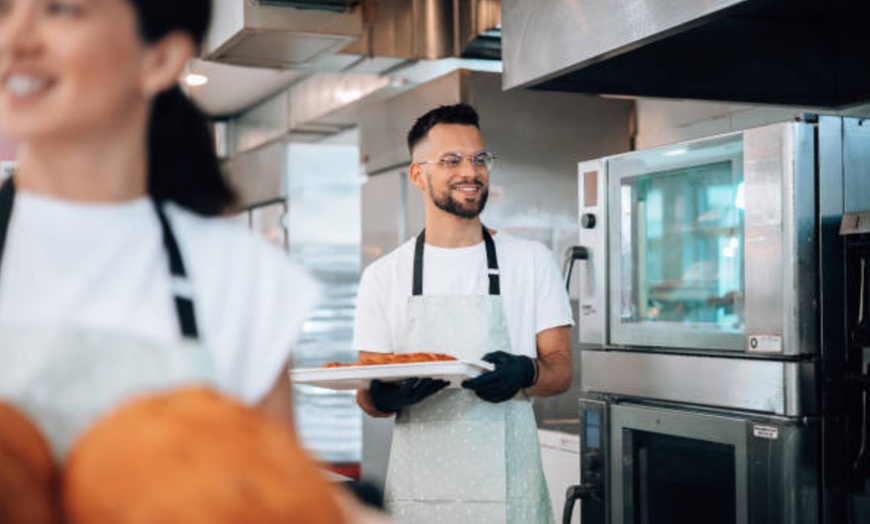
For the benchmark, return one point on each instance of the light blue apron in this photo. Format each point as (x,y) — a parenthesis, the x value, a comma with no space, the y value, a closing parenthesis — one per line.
(456,458)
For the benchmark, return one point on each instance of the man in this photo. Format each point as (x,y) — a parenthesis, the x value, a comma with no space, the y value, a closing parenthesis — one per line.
(470,454)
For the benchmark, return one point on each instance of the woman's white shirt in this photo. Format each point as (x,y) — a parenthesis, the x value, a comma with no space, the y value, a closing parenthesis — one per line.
(104,267)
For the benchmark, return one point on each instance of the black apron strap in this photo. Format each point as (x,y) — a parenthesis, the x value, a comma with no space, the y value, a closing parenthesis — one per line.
(7,198)
(491,264)
(180,284)
(418,264)
(181,288)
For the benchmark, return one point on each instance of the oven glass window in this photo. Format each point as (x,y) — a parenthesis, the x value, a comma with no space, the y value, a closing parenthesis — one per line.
(681,229)
(678,480)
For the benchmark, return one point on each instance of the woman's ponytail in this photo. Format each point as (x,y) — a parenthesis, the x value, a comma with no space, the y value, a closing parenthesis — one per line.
(182,164)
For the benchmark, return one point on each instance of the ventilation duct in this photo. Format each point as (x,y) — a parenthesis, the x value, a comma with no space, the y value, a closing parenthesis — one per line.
(430,29)
(299,34)
(280,34)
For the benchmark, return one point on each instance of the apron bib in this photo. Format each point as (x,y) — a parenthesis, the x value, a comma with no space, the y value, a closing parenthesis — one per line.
(455,458)
(64,379)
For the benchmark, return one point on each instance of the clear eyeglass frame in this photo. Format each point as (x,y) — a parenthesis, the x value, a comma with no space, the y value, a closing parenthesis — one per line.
(452,161)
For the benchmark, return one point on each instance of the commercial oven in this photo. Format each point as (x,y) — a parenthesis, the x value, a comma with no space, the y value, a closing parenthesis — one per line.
(665,463)
(690,245)
(715,373)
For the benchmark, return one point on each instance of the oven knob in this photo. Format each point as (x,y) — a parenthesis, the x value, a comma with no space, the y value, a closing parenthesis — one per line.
(587,220)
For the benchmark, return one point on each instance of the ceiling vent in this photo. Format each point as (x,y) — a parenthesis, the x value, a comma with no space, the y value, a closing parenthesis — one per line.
(281,33)
(429,29)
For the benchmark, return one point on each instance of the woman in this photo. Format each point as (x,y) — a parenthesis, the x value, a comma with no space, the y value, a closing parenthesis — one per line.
(116,273)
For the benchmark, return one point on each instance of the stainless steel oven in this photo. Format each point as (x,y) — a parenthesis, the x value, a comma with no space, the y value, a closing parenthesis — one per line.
(718,304)
(667,464)
(690,245)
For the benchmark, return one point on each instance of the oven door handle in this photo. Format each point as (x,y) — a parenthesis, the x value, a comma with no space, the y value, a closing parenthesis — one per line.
(572,254)
(582,492)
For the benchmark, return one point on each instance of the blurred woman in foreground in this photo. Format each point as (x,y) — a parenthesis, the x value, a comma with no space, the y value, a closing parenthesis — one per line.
(117,274)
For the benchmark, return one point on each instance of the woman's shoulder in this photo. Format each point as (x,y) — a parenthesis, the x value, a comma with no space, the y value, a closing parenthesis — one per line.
(223,241)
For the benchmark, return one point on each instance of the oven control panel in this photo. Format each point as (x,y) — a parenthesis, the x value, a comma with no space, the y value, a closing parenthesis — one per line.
(591,283)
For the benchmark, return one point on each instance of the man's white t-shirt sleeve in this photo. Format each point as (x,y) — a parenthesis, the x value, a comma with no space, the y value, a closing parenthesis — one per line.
(552,304)
(371,331)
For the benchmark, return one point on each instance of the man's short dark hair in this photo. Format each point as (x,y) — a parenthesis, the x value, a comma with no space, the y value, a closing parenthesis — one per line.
(462,114)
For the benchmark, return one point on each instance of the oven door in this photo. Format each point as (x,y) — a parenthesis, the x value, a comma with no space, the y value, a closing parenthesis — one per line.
(673,465)
(710,243)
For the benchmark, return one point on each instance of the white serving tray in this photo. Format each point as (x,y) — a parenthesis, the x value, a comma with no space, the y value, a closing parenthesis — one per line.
(359,377)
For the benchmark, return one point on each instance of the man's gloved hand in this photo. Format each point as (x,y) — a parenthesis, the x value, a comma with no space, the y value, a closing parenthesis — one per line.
(390,397)
(511,374)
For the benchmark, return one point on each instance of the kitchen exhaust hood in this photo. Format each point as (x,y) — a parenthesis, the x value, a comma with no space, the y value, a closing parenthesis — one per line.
(811,53)
(299,34)
(281,33)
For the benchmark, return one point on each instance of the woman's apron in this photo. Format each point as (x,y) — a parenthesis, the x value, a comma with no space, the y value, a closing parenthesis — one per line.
(456,458)
(65,378)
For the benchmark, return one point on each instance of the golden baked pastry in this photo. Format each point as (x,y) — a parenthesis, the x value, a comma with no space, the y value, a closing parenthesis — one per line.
(28,473)
(193,457)
(395,358)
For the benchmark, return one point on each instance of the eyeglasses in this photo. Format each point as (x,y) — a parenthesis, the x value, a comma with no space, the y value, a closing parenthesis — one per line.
(452,161)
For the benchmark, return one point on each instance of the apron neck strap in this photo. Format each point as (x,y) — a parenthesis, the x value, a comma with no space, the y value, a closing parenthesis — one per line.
(491,263)
(181,288)
(7,198)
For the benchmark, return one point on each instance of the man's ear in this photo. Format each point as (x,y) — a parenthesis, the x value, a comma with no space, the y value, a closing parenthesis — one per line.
(418,178)
(164,61)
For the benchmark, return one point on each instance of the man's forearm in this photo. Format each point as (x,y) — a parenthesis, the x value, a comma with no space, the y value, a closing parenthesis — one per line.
(554,362)
(554,375)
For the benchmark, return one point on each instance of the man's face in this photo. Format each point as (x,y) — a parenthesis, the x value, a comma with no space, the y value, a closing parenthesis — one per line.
(461,188)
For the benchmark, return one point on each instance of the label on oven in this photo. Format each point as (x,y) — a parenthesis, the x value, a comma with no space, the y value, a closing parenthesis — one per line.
(764,344)
(768,432)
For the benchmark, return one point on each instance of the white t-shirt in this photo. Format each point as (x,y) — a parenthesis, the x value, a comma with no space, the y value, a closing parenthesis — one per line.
(532,290)
(104,267)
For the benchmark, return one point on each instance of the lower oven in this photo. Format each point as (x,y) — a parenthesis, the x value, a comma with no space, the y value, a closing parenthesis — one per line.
(657,463)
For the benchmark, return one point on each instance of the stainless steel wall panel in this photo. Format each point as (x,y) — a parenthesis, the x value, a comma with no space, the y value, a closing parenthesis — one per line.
(856,160)
(262,123)
(769,386)
(382,215)
(259,175)
(383,126)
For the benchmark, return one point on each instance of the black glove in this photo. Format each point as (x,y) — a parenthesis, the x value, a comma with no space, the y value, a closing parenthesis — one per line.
(511,374)
(390,397)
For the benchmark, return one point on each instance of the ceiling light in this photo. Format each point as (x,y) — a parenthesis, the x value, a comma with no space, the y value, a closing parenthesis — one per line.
(677,152)
(195,79)
(347,96)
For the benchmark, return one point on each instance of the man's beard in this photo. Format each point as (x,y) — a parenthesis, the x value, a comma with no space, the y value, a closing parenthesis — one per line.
(447,203)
